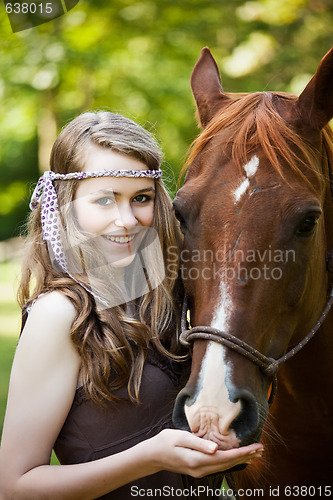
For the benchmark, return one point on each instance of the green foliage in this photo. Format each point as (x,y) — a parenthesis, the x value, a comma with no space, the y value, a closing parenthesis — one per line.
(7,349)
(136,57)
(9,328)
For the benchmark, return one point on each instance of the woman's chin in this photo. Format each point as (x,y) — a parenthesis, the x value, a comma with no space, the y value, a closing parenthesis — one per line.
(124,262)
(119,255)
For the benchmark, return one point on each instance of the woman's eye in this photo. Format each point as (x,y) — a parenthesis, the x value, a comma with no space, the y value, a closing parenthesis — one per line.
(105,201)
(142,198)
(307,226)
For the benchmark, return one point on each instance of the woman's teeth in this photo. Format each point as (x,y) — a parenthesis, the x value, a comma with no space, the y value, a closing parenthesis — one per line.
(120,239)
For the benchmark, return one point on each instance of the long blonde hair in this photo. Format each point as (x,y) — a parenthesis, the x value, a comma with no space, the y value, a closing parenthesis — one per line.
(112,344)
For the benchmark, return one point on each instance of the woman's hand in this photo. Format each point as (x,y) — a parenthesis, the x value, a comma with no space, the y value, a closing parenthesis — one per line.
(184,453)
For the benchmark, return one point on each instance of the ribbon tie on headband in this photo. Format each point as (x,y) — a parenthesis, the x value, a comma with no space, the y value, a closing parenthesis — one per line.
(49,215)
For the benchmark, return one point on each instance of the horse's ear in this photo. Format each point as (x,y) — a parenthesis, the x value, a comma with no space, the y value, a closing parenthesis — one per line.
(206,86)
(315,104)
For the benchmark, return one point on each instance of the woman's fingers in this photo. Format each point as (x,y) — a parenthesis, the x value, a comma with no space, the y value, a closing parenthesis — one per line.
(251,450)
(189,440)
(186,453)
(213,460)
(223,460)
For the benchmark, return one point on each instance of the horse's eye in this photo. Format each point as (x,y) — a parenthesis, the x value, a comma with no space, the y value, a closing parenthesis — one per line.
(307,226)
(181,219)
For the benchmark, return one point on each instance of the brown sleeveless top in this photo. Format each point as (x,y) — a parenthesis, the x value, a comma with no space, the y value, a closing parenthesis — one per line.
(92,431)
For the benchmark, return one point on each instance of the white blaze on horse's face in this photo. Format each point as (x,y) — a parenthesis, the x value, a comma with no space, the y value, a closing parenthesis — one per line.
(212,412)
(250,169)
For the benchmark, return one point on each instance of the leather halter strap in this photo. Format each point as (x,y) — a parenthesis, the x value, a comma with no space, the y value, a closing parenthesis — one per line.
(268,365)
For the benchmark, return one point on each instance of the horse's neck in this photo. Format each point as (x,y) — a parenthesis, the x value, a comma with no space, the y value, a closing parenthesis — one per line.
(309,373)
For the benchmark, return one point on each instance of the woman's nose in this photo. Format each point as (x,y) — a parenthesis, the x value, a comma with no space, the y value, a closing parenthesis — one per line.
(125,217)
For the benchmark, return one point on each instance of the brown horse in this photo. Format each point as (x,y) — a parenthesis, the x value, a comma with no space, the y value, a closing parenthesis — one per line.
(257,216)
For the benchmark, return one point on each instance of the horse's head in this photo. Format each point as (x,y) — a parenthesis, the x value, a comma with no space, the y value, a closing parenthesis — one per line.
(255,209)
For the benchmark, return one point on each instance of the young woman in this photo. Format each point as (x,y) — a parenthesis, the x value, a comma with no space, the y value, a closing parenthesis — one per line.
(97,366)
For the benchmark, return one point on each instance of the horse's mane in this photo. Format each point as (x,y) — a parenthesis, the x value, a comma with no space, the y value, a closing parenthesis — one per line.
(252,120)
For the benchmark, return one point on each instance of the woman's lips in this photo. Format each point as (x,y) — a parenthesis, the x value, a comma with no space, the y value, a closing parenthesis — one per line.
(123,239)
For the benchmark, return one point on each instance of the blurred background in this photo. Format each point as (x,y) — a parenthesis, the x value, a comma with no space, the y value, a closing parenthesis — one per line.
(134,57)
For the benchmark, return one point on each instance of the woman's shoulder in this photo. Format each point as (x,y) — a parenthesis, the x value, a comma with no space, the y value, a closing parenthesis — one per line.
(45,344)
(54,303)
(52,310)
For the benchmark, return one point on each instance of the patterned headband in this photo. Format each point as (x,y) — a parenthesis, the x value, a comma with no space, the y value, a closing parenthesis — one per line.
(46,194)
(45,183)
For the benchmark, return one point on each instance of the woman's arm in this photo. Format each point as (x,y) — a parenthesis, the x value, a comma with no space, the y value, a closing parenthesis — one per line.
(42,387)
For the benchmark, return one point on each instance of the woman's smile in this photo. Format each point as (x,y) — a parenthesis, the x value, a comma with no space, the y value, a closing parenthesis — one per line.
(120,239)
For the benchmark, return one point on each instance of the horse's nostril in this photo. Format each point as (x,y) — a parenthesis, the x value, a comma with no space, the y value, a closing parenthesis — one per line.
(250,420)
(179,418)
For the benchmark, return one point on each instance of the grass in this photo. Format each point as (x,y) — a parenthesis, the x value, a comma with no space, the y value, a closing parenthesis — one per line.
(10,320)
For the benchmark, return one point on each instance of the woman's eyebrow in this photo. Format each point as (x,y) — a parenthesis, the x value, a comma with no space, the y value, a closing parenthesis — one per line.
(106,191)
(145,190)
(109,191)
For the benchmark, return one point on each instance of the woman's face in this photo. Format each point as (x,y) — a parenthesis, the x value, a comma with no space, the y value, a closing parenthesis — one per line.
(114,210)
